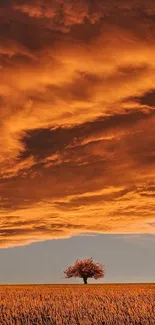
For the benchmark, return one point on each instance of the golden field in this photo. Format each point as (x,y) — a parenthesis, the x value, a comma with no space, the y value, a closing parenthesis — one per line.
(107,304)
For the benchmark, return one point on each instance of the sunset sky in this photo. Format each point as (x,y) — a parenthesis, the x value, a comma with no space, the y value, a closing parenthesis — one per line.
(77,131)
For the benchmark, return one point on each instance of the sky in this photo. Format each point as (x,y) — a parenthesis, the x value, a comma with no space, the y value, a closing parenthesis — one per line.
(77,136)
(126,259)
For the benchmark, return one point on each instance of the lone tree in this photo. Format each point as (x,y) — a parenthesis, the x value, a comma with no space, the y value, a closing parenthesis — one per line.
(85,269)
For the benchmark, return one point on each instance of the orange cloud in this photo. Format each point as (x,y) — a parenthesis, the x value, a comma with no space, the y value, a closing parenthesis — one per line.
(77,119)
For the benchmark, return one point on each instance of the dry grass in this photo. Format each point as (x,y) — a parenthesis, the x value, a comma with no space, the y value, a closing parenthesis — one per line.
(77,304)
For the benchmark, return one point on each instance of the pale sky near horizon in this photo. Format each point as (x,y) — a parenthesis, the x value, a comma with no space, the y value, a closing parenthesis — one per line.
(126,259)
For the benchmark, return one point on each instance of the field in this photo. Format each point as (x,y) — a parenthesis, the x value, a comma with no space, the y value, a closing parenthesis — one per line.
(108,304)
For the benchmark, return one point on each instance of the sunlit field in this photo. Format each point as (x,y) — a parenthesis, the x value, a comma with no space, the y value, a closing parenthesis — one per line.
(78,304)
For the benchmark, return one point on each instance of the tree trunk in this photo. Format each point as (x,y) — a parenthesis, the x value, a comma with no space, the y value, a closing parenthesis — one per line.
(85,280)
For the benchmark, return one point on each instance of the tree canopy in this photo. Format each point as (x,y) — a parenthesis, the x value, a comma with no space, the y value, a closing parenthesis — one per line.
(85,269)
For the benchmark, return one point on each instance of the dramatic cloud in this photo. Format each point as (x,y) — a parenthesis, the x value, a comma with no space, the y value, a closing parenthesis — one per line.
(77,118)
